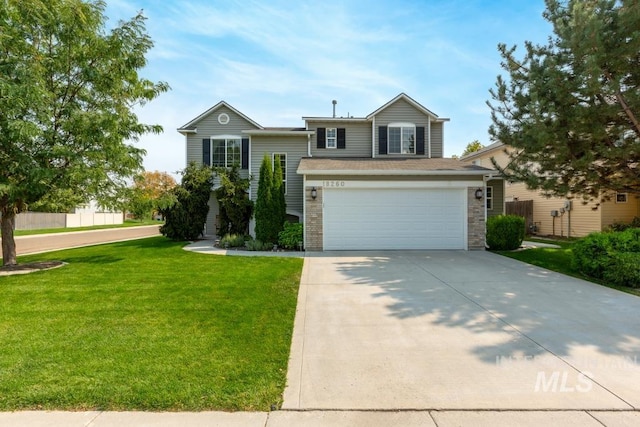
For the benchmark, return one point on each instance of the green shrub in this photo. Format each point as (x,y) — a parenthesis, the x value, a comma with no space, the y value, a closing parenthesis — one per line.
(291,235)
(232,241)
(505,232)
(591,255)
(622,226)
(624,269)
(612,256)
(257,245)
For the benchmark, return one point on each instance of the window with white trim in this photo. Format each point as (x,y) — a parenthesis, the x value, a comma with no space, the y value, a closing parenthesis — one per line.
(402,138)
(332,137)
(621,197)
(283,166)
(226,151)
(489,198)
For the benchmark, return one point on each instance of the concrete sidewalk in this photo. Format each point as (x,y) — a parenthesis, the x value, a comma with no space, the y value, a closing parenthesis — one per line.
(321,419)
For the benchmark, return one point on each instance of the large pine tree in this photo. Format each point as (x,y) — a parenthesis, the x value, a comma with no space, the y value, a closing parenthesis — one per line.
(571,108)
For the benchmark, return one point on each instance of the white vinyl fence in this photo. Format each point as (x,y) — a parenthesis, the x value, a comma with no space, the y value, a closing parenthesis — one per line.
(39,220)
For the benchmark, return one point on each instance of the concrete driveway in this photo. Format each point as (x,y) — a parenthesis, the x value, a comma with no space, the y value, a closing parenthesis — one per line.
(458,330)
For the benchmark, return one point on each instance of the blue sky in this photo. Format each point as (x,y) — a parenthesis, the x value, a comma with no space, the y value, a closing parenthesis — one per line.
(277,61)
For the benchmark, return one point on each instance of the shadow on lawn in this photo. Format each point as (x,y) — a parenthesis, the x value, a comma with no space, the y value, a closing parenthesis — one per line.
(485,293)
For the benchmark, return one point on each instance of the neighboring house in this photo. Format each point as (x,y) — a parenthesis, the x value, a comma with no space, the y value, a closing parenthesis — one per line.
(579,220)
(374,182)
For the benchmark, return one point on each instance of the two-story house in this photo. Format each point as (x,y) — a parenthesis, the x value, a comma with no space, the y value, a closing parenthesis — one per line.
(373,182)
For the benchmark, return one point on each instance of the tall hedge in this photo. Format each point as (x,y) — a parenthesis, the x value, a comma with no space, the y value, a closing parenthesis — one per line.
(279,203)
(505,232)
(270,211)
(263,213)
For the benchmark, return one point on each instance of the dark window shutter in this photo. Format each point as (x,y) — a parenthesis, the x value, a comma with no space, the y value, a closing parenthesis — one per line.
(342,138)
(206,151)
(382,140)
(420,140)
(321,135)
(245,153)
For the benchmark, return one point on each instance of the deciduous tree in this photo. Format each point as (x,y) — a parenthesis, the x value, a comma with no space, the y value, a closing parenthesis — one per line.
(67,90)
(186,217)
(570,108)
(472,147)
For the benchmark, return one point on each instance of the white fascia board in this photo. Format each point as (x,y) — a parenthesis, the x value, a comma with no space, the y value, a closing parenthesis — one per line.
(185,132)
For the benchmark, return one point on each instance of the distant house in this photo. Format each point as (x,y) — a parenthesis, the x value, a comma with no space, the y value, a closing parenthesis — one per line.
(553,216)
(374,182)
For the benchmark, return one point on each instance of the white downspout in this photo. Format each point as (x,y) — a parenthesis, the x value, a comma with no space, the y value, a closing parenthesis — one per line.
(309,145)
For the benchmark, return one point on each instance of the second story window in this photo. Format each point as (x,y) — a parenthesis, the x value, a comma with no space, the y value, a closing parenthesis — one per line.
(332,138)
(226,151)
(402,138)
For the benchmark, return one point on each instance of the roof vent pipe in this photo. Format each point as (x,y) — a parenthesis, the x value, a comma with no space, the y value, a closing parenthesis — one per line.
(334,102)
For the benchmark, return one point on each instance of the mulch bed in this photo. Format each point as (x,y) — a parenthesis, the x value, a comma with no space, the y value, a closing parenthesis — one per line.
(7,270)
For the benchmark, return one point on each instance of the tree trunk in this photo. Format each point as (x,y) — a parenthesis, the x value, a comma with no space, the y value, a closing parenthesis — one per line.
(7,222)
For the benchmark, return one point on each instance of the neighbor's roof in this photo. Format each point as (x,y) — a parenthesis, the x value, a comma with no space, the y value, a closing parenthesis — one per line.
(191,127)
(388,166)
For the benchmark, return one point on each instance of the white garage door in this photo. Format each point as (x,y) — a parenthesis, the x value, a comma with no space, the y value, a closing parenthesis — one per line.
(394,219)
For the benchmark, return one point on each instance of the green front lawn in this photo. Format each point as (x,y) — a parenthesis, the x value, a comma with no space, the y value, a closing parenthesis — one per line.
(558,260)
(145,325)
(127,223)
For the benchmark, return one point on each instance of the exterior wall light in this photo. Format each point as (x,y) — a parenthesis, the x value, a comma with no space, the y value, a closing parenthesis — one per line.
(314,193)
(478,193)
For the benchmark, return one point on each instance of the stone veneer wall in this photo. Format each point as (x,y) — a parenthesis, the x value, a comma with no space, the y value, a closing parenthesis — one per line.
(313,221)
(475,221)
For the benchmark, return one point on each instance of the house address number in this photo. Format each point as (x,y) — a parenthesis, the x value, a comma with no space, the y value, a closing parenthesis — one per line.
(334,184)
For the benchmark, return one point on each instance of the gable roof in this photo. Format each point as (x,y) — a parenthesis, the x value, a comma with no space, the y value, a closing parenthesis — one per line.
(411,101)
(192,125)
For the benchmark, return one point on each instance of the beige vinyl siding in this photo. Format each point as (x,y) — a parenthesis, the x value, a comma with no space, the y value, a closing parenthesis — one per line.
(402,111)
(498,197)
(583,218)
(208,126)
(613,212)
(295,147)
(358,140)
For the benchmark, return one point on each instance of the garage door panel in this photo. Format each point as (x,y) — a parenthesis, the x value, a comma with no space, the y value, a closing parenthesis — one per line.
(394,219)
